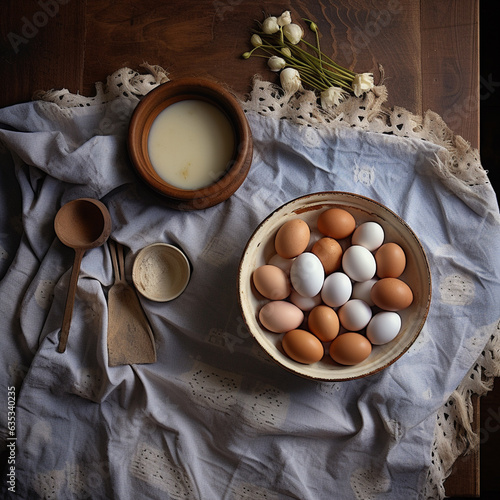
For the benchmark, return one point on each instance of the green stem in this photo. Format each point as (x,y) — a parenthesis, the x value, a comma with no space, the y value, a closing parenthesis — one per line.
(312,80)
(329,78)
(337,76)
(331,62)
(318,49)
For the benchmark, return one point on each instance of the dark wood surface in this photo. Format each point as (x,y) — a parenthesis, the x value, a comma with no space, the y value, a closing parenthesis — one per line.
(429,52)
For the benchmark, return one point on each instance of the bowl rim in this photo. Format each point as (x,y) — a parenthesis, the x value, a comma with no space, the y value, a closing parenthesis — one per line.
(182,89)
(319,204)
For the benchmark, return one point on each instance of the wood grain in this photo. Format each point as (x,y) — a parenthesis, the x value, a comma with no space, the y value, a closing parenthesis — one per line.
(40,49)
(465,478)
(207,42)
(362,36)
(428,51)
(450,61)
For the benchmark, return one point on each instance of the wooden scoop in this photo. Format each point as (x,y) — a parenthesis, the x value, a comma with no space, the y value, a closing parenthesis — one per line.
(80,224)
(130,338)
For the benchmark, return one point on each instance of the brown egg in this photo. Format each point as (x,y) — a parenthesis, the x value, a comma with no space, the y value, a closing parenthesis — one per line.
(329,252)
(391,294)
(336,223)
(280,316)
(292,238)
(324,323)
(391,260)
(272,282)
(302,346)
(350,348)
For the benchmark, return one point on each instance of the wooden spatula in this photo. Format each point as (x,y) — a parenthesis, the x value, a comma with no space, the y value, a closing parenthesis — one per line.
(130,338)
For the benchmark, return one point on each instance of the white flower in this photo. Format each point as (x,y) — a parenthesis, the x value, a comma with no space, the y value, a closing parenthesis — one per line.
(270,25)
(256,40)
(362,83)
(293,33)
(290,80)
(285,18)
(332,97)
(276,63)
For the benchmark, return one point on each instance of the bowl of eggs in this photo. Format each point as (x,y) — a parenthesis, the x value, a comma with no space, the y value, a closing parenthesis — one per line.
(190,141)
(334,286)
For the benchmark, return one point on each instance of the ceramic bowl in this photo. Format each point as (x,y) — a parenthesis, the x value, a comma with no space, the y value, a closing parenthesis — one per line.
(260,248)
(160,272)
(188,89)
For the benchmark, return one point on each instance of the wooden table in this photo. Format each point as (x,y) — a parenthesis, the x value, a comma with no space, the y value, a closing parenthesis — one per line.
(429,52)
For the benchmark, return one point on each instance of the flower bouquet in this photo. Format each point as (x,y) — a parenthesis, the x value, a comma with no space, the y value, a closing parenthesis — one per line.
(282,43)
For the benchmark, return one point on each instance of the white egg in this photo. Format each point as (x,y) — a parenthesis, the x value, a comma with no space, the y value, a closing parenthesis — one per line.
(383,327)
(369,235)
(336,290)
(281,262)
(359,263)
(354,315)
(315,236)
(305,303)
(307,274)
(361,290)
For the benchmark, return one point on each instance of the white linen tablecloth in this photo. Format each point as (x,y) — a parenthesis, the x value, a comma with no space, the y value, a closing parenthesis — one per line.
(214,418)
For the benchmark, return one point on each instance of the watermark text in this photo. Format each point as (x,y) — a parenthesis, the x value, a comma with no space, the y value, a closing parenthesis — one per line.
(31,25)
(11,438)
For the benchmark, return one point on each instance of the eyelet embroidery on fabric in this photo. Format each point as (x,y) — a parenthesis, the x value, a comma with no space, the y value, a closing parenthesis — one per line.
(246,491)
(89,384)
(265,407)
(122,83)
(156,467)
(211,387)
(48,485)
(44,293)
(367,484)
(457,290)
(364,174)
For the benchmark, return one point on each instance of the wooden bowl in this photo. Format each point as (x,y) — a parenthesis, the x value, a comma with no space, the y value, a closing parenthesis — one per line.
(188,89)
(260,248)
(161,272)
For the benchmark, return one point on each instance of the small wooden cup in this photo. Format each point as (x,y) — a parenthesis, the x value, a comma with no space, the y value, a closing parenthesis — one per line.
(153,104)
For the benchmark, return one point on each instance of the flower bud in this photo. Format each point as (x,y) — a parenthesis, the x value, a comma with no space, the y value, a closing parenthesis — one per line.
(313,26)
(276,63)
(362,83)
(293,33)
(332,97)
(256,40)
(286,52)
(285,18)
(290,80)
(270,25)
(246,55)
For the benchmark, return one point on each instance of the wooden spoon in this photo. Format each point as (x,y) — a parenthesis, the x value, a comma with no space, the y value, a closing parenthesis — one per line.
(130,338)
(80,224)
